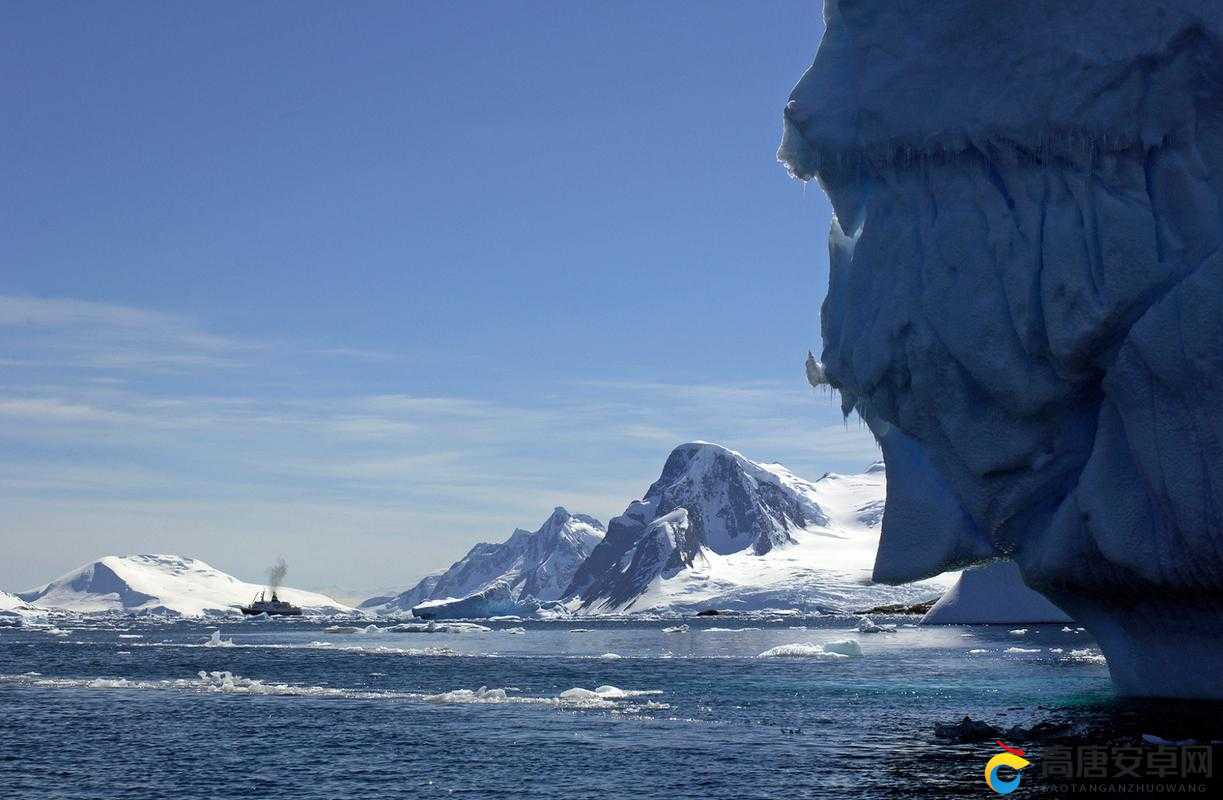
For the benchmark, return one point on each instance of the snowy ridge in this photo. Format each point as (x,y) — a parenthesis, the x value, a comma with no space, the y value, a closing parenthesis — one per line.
(717,529)
(527,568)
(159,583)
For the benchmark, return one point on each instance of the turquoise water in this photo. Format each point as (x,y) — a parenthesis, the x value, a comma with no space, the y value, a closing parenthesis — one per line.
(118,708)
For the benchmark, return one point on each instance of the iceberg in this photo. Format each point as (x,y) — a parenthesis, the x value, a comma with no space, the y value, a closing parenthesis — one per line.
(1024,301)
(993,593)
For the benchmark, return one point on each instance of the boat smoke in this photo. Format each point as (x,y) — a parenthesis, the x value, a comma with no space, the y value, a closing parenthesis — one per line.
(276,574)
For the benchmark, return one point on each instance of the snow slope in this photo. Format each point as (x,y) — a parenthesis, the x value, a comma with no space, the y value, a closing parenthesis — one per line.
(12,606)
(718,530)
(993,593)
(1025,300)
(525,569)
(159,583)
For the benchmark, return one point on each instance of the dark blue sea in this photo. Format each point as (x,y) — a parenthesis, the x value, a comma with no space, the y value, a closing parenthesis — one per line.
(122,708)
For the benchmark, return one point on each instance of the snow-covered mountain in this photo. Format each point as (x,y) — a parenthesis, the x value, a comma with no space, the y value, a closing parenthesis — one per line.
(717,529)
(159,583)
(528,566)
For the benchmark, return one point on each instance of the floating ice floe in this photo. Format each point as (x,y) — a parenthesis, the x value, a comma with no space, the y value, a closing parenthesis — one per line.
(1018,632)
(676,629)
(977,651)
(1022,650)
(1085,656)
(848,648)
(518,630)
(481,695)
(216,641)
(437,627)
(867,625)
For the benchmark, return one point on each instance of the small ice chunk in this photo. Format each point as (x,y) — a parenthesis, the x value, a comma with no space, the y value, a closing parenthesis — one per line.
(519,630)
(216,641)
(846,647)
(1086,656)
(1022,650)
(1019,631)
(481,695)
(583,696)
(867,625)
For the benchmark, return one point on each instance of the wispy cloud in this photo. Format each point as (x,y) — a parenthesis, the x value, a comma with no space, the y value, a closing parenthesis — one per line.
(82,334)
(90,335)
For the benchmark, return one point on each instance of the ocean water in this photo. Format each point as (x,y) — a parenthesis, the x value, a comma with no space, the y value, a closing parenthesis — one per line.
(122,708)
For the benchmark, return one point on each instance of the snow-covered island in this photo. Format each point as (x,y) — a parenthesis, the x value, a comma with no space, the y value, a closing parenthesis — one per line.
(716,530)
(515,576)
(160,584)
(719,530)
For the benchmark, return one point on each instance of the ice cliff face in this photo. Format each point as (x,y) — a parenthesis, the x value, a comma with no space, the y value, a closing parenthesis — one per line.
(527,566)
(717,529)
(1024,300)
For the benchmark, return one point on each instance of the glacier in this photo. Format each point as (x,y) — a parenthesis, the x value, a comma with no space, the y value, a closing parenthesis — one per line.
(160,584)
(718,530)
(1024,301)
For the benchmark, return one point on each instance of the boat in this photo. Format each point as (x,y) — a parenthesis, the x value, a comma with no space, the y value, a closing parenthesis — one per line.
(273,608)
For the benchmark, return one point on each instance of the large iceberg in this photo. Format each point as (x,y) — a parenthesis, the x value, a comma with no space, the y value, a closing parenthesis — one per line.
(1024,300)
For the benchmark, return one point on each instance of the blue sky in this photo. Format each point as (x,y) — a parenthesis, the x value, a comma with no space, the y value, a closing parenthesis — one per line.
(362,284)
